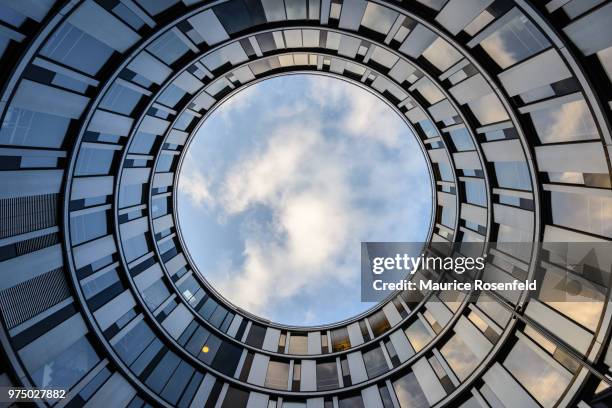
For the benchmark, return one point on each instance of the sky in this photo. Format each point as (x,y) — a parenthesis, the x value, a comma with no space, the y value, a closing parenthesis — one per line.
(281,184)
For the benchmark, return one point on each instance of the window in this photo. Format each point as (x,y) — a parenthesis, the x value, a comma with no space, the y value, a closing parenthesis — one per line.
(475,192)
(375,362)
(340,339)
(461,139)
(459,357)
(77,49)
(277,376)
(93,161)
(88,226)
(513,175)
(515,41)
(409,393)
(379,323)
(542,376)
(67,367)
(327,376)
(563,123)
(298,344)
(418,335)
(168,47)
(26,128)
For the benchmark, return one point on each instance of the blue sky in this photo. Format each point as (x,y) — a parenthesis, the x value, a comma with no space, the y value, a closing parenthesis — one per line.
(282,183)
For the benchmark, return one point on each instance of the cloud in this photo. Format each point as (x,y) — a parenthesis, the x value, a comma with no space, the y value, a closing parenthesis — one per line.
(193,184)
(366,114)
(331,169)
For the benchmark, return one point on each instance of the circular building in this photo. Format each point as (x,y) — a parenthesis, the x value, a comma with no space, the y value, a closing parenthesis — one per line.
(509,100)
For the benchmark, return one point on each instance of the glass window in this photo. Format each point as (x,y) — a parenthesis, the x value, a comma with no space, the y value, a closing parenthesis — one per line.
(93,161)
(25,128)
(429,90)
(441,54)
(375,362)
(418,335)
(256,335)
(582,212)
(379,323)
(542,376)
(93,287)
(155,294)
(77,49)
(154,7)
(68,367)
(459,357)
(563,123)
(135,247)
(88,226)
(142,143)
(120,99)
(409,392)
(171,95)
(488,109)
(514,41)
(133,342)
(298,344)
(168,47)
(354,401)
(461,139)
(448,216)
(513,175)
(378,18)
(475,192)
(277,376)
(327,375)
(340,339)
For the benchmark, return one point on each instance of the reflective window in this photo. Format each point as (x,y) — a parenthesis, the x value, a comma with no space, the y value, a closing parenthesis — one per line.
(514,42)
(277,376)
(513,175)
(88,226)
(488,109)
(461,139)
(475,192)
(25,128)
(77,49)
(375,362)
(418,335)
(379,323)
(120,99)
(168,47)
(409,392)
(100,283)
(133,343)
(69,366)
(459,357)
(543,377)
(378,18)
(94,161)
(155,294)
(327,376)
(563,123)
(298,344)
(583,212)
(442,55)
(340,339)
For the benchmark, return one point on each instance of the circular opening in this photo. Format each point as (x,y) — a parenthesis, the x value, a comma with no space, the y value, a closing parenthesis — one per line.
(283,181)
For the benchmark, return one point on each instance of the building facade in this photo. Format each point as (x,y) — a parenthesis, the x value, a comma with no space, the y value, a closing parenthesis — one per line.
(510,100)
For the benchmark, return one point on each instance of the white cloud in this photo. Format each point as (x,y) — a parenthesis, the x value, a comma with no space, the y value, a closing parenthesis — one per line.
(328,183)
(193,184)
(366,114)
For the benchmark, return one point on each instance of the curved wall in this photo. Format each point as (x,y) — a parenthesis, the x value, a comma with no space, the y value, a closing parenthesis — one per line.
(510,101)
